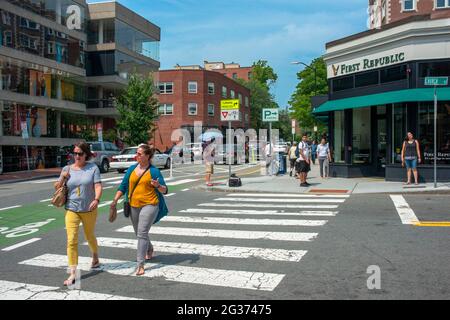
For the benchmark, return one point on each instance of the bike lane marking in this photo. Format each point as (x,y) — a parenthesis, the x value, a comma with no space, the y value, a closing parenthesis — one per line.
(21,244)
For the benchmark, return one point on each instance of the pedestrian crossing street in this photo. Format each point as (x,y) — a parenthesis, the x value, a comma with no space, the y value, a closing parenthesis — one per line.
(206,231)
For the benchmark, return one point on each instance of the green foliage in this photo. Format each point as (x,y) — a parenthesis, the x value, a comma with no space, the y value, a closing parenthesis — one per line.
(262,78)
(263,73)
(138,109)
(300,102)
(284,125)
(110,135)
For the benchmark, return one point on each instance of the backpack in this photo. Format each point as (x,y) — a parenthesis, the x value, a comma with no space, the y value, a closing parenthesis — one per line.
(297,152)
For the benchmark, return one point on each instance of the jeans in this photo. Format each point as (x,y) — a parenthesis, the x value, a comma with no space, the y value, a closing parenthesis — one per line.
(411,164)
(142,219)
(324,167)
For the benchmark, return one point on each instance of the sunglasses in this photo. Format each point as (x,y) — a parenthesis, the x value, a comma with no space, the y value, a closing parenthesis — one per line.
(80,154)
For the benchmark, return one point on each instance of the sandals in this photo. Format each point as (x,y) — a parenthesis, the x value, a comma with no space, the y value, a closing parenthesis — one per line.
(140,271)
(95,265)
(149,255)
(70,281)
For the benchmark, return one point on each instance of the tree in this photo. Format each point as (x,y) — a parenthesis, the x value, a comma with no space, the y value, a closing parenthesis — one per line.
(138,110)
(284,125)
(264,74)
(262,78)
(301,108)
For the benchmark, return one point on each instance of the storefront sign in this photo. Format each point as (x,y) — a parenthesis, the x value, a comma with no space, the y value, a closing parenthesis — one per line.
(367,64)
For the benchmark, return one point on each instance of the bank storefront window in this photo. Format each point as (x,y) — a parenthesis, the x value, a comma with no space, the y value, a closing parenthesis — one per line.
(61,11)
(39,81)
(399,130)
(35,39)
(426,132)
(434,69)
(339,142)
(361,148)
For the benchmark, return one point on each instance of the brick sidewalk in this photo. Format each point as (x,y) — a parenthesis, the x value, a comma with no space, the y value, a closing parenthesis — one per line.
(10,177)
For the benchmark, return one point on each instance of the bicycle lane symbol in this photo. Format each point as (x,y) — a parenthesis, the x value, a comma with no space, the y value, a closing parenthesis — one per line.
(24,230)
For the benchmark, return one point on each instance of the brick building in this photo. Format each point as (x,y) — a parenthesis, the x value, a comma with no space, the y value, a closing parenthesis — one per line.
(230,70)
(384,12)
(193,95)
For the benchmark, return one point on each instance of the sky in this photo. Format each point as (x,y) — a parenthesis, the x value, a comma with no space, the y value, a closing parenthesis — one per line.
(245,31)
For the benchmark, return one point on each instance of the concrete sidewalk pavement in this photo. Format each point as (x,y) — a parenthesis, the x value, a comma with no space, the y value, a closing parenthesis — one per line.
(11,177)
(287,184)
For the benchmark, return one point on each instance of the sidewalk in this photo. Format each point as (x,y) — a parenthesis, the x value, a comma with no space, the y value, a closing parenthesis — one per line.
(287,184)
(11,177)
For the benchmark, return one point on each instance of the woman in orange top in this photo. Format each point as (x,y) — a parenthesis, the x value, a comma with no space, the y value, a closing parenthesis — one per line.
(146,201)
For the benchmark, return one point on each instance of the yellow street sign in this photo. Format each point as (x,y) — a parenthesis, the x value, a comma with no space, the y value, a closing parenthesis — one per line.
(232,104)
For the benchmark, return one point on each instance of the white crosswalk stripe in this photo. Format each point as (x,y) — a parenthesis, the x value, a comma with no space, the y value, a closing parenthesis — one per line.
(229,234)
(235,221)
(262,210)
(22,291)
(208,250)
(282,200)
(193,275)
(268,205)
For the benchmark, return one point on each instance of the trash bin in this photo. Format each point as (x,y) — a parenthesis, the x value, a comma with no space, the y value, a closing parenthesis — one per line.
(282,163)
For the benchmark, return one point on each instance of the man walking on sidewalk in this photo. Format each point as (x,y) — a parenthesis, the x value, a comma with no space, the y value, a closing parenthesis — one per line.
(293,159)
(303,161)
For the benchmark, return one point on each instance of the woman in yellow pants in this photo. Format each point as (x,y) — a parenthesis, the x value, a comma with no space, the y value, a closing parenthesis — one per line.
(85,190)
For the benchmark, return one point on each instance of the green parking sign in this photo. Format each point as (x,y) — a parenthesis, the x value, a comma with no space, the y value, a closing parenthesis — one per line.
(270,115)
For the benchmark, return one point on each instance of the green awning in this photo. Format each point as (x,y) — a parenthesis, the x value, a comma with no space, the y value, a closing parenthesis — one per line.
(410,95)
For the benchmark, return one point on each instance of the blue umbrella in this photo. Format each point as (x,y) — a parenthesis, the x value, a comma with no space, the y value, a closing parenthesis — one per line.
(208,136)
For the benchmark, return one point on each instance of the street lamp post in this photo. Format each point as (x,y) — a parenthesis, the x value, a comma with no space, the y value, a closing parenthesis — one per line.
(315,73)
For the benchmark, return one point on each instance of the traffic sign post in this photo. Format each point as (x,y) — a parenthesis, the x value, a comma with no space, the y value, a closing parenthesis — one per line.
(229,111)
(435,81)
(270,115)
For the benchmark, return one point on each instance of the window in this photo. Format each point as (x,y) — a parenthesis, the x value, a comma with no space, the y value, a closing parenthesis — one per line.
(51,47)
(442,4)
(192,87)
(425,133)
(343,84)
(361,150)
(247,104)
(210,110)
(394,74)
(165,109)
(235,76)
(8,38)
(224,92)
(434,69)
(96,147)
(192,109)
(339,150)
(108,31)
(240,99)
(409,5)
(247,118)
(211,88)
(166,88)
(366,79)
(232,94)
(399,125)
(6,18)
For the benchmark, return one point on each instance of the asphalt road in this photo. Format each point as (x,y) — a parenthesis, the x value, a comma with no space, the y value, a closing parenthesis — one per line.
(253,247)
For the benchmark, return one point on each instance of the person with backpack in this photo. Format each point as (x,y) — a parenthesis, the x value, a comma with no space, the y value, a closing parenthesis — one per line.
(303,153)
(324,156)
(143,187)
(293,158)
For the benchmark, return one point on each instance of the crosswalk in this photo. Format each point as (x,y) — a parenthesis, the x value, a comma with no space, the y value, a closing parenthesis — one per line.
(260,228)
